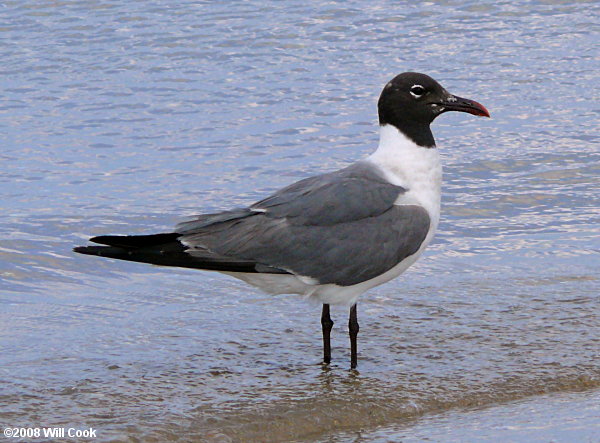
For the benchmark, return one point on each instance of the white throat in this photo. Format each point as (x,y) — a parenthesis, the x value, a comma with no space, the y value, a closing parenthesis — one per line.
(416,168)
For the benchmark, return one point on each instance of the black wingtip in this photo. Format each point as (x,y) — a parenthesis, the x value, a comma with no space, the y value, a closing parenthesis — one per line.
(106,239)
(135,241)
(88,250)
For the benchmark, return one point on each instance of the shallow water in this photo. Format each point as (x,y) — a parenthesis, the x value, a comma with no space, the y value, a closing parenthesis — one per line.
(125,117)
(558,417)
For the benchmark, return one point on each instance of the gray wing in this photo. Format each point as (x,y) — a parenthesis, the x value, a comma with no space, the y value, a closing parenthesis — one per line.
(353,193)
(340,228)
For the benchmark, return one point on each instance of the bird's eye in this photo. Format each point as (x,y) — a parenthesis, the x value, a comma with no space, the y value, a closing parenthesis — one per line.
(417,91)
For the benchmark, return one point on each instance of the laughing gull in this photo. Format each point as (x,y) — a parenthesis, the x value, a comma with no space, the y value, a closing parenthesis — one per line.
(330,237)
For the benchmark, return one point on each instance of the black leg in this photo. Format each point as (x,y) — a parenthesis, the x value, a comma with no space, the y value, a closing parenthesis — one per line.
(353,328)
(326,324)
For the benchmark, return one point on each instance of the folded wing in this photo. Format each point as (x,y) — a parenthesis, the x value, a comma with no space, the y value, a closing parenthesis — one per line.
(340,228)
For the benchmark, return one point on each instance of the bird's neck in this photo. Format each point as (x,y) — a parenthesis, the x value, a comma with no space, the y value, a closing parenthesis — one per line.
(417,130)
(404,162)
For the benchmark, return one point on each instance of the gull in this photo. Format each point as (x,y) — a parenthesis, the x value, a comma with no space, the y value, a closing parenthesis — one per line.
(330,237)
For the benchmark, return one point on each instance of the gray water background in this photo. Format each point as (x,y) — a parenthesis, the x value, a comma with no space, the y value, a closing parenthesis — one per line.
(125,117)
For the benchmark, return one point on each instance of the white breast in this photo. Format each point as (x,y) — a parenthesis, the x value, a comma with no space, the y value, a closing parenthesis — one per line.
(415,168)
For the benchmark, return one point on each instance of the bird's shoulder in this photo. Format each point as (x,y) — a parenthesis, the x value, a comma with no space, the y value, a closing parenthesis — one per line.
(355,192)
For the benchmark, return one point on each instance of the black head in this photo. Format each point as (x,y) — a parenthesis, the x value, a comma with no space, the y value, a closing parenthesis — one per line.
(411,101)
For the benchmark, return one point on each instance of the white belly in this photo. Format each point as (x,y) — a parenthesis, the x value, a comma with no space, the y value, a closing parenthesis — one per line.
(329,293)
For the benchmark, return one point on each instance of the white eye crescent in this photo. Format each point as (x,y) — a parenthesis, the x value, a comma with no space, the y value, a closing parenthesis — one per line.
(417,91)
